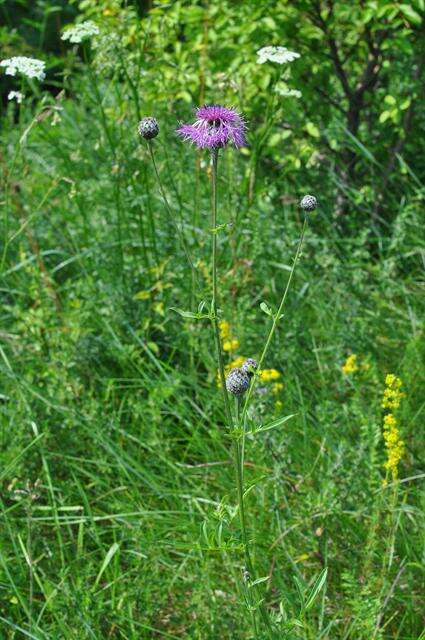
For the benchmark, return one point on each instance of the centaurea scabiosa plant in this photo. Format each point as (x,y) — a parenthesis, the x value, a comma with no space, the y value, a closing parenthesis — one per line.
(215,128)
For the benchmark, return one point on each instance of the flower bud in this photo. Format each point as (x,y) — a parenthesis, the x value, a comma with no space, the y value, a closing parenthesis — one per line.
(148,128)
(308,203)
(249,367)
(237,382)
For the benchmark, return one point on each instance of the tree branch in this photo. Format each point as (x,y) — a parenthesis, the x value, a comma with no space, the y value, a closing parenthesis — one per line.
(333,47)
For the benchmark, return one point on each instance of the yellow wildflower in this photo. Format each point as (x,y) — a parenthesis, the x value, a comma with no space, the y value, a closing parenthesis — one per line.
(224,329)
(394,445)
(392,393)
(266,375)
(230,345)
(277,387)
(350,365)
(278,405)
(237,362)
(393,442)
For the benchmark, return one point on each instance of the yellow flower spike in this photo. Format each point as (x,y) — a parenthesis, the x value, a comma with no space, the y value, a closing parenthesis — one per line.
(277,387)
(392,393)
(389,421)
(393,443)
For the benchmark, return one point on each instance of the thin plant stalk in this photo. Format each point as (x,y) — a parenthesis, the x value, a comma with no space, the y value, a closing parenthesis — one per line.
(214,301)
(239,483)
(30,561)
(241,421)
(277,316)
(238,459)
(170,213)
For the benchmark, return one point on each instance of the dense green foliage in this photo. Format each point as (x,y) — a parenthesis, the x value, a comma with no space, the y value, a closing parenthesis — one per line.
(118,504)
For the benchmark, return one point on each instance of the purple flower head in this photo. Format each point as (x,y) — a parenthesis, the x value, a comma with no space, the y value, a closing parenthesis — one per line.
(214,128)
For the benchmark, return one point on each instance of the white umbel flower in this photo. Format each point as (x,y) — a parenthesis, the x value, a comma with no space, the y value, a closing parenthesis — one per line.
(28,67)
(80,32)
(15,95)
(281,55)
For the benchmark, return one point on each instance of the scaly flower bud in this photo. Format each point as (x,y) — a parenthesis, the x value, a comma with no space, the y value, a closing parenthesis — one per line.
(249,367)
(237,382)
(308,203)
(148,128)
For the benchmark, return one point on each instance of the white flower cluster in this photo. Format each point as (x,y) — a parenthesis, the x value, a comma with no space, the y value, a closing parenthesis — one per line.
(28,67)
(281,55)
(286,92)
(15,95)
(80,32)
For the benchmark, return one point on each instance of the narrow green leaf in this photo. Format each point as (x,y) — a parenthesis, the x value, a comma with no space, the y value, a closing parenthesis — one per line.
(111,552)
(184,314)
(320,581)
(300,589)
(274,423)
(259,581)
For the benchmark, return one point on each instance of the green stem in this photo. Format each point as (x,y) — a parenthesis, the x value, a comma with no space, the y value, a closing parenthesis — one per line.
(238,459)
(214,318)
(170,213)
(239,482)
(30,561)
(240,450)
(231,424)
(276,319)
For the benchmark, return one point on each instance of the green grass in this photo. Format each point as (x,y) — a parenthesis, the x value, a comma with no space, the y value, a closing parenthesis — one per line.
(109,399)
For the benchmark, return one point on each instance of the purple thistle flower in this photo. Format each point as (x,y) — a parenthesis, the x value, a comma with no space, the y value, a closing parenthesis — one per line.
(214,128)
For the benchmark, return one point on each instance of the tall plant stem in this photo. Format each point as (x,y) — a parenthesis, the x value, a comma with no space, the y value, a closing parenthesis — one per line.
(239,482)
(237,448)
(169,212)
(214,305)
(276,319)
(30,562)
(238,459)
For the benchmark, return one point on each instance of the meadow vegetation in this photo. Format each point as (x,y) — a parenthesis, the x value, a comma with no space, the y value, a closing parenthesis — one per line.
(119,509)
